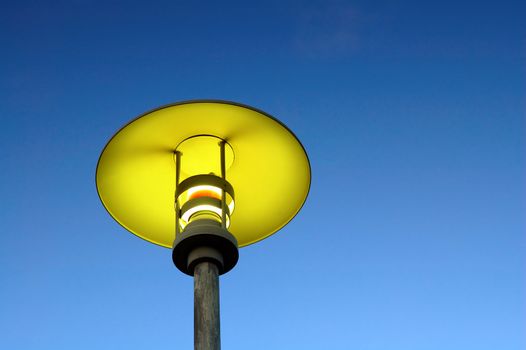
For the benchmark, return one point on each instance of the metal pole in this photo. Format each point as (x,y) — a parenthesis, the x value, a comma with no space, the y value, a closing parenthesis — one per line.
(223,192)
(206,307)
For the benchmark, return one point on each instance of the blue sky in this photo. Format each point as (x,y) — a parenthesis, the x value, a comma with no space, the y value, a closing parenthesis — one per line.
(413,116)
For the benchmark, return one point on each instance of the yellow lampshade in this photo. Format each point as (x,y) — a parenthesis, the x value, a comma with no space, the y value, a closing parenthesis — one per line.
(265,164)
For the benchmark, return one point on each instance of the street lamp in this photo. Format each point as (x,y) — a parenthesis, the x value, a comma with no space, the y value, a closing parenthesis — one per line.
(203,178)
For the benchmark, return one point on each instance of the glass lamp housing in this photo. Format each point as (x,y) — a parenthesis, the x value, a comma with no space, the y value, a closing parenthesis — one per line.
(202,191)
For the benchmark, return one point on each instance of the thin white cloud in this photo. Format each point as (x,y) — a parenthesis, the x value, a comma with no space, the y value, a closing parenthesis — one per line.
(327,29)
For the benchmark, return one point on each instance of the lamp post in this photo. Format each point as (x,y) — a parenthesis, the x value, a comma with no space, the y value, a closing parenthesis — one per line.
(203,178)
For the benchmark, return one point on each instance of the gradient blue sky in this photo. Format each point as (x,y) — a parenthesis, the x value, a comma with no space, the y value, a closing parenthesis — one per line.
(412,113)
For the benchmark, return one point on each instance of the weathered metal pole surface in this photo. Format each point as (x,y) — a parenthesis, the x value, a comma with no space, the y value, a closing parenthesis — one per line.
(206,307)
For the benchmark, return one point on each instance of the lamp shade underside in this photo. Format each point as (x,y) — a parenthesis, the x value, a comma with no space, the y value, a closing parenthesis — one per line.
(269,169)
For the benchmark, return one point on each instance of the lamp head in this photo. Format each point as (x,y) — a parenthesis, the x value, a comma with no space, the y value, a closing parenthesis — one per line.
(220,164)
